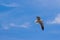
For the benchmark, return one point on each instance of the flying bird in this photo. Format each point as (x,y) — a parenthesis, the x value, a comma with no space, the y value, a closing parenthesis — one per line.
(40,22)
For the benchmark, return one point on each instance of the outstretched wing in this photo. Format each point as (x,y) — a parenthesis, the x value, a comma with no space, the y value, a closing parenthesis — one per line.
(42,26)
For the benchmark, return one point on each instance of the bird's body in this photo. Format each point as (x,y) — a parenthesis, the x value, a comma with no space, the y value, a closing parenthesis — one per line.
(40,22)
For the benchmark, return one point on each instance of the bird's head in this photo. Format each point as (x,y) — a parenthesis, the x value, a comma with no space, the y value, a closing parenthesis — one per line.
(38,17)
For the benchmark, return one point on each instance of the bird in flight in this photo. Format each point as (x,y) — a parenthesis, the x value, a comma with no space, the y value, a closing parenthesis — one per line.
(40,22)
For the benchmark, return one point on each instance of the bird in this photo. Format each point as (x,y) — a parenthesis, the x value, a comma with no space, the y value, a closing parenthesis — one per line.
(39,21)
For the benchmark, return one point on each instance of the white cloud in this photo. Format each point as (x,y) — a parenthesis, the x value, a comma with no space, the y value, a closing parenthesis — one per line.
(5,27)
(25,25)
(10,4)
(56,20)
(13,25)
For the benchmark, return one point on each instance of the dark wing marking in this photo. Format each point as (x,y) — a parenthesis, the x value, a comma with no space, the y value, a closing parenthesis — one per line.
(42,26)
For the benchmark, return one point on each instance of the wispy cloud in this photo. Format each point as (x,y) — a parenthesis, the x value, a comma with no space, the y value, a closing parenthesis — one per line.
(4,26)
(14,25)
(56,20)
(24,25)
(10,4)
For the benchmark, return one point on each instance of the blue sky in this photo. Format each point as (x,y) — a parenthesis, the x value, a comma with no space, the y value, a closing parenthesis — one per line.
(17,19)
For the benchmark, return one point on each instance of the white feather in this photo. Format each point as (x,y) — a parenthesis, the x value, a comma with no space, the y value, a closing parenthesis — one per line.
(36,21)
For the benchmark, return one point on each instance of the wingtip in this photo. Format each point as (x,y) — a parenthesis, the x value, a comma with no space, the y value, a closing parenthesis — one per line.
(42,28)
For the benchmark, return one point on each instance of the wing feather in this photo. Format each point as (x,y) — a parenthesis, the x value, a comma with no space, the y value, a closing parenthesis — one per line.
(42,26)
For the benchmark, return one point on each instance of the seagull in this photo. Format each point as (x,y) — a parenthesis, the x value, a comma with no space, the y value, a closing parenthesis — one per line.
(39,21)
